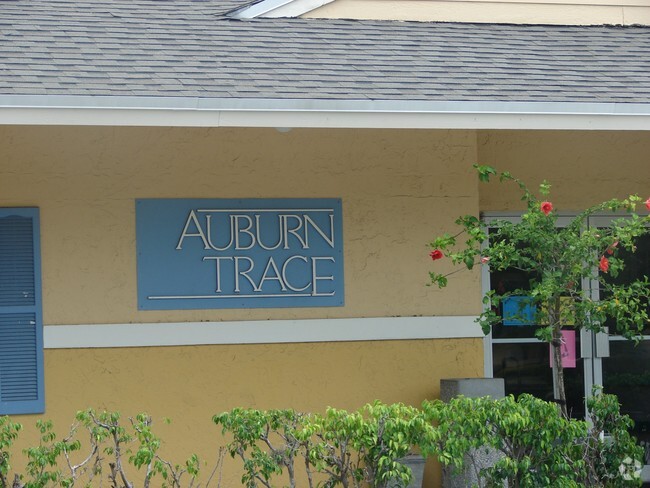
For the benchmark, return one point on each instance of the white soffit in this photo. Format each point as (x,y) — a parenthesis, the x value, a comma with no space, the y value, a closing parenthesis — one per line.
(278,8)
(306,113)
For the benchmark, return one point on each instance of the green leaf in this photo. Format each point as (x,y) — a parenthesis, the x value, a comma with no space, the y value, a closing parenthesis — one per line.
(484,172)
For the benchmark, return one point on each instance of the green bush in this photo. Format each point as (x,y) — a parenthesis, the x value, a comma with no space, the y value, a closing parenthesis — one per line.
(614,458)
(110,450)
(339,448)
(536,446)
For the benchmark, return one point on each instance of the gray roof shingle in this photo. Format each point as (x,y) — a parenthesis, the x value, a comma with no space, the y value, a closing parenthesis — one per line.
(186,48)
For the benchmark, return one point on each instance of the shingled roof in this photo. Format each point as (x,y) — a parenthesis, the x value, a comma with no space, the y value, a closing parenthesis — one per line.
(176,50)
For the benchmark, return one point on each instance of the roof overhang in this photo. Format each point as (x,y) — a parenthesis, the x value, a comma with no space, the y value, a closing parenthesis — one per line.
(310,113)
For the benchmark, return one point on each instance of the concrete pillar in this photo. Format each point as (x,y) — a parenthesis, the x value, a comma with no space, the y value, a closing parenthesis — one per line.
(481,458)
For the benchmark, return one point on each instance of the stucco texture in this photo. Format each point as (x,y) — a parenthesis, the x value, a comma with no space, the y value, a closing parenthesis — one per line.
(583,168)
(399,189)
(191,384)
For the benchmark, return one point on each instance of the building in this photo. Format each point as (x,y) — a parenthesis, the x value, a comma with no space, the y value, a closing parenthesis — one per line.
(105,106)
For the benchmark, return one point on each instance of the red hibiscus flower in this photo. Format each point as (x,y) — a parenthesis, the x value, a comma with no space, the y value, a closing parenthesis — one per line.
(611,248)
(604,264)
(437,254)
(546,207)
(647,203)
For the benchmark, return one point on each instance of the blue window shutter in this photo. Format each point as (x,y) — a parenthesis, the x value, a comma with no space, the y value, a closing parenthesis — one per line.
(21,322)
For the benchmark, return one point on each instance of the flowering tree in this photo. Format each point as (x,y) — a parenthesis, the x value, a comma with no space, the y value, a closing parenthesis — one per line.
(558,262)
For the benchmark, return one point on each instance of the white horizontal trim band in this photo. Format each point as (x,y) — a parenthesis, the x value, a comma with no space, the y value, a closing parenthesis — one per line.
(206,112)
(260,332)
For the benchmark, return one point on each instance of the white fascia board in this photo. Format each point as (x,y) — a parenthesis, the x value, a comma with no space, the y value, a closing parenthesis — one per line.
(259,9)
(310,113)
(278,8)
(260,332)
(295,8)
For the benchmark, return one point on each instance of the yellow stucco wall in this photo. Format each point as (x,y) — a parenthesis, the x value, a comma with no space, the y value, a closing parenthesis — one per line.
(191,384)
(399,189)
(584,168)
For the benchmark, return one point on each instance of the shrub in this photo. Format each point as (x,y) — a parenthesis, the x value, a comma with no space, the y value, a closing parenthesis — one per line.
(340,448)
(111,448)
(535,444)
(612,454)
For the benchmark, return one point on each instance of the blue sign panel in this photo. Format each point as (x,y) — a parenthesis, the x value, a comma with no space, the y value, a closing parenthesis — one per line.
(226,253)
(519,310)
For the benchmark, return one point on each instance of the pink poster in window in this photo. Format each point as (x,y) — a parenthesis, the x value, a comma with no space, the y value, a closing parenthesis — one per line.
(568,350)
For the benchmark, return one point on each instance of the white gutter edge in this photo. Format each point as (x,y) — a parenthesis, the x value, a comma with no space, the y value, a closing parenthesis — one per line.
(258,9)
(297,113)
(260,332)
(277,9)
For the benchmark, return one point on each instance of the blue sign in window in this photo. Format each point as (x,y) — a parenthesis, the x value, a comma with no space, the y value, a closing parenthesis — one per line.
(230,253)
(519,310)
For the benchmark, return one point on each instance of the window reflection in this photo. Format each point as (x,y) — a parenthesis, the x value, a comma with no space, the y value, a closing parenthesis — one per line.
(637,266)
(526,368)
(626,374)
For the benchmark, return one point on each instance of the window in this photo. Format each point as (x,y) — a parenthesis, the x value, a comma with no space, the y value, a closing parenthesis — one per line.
(517,356)
(621,366)
(21,325)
